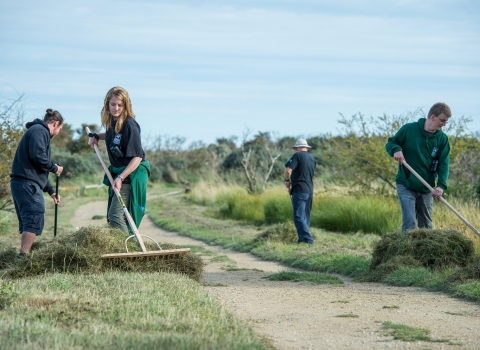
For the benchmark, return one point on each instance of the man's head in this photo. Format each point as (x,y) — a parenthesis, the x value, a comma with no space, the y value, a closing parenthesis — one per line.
(438,116)
(54,120)
(301,145)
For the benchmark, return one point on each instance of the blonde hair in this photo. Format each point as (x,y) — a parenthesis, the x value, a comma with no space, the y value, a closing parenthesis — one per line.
(107,118)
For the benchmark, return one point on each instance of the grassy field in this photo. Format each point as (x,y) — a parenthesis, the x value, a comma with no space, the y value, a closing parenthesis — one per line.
(348,254)
(114,309)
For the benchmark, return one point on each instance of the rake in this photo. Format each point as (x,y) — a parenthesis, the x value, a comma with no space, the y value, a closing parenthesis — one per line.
(131,223)
(441,198)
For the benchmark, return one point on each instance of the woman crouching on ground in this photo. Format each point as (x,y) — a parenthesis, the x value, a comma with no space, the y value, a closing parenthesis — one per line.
(128,166)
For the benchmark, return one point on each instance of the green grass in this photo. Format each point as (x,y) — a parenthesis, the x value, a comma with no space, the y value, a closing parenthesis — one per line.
(118,311)
(407,333)
(221,259)
(346,254)
(316,278)
(348,315)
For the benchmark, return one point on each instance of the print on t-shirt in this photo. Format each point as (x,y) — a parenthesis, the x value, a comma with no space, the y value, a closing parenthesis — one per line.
(117,139)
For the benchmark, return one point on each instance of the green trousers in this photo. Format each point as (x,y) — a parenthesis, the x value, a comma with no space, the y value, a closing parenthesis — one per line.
(116,216)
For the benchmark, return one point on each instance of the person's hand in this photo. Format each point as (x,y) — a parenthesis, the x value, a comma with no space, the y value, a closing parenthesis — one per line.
(287,184)
(55,199)
(437,192)
(398,156)
(92,141)
(117,183)
(59,170)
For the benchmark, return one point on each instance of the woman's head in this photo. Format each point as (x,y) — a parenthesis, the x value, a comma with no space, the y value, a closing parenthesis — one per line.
(116,106)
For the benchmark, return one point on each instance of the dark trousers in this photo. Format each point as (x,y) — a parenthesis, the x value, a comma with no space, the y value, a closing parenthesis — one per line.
(302,206)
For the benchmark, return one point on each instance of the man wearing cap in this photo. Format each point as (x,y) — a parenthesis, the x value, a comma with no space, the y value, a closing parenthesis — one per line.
(299,172)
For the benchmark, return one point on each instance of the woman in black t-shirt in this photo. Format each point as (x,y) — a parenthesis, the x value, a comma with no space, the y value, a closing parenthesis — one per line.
(128,167)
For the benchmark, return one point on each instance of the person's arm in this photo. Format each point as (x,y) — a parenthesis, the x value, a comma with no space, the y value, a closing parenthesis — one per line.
(287,174)
(443,171)
(37,152)
(132,165)
(394,145)
(93,140)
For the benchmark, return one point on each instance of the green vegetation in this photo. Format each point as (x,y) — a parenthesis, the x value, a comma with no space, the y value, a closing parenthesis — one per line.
(407,333)
(117,310)
(316,278)
(348,315)
(349,254)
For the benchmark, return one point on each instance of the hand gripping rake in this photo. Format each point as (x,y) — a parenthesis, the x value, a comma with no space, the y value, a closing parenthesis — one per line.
(131,223)
(441,198)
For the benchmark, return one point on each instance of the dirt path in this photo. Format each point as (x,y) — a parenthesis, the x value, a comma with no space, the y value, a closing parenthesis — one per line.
(305,316)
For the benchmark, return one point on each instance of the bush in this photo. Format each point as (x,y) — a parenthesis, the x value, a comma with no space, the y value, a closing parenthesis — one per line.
(76,164)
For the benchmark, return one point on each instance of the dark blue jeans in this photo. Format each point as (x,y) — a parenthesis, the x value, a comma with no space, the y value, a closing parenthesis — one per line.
(29,205)
(302,206)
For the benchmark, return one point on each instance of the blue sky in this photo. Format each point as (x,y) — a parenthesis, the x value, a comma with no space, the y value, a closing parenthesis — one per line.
(211,69)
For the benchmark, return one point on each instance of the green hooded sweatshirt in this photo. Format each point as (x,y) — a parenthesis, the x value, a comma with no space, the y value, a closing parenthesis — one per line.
(138,193)
(417,149)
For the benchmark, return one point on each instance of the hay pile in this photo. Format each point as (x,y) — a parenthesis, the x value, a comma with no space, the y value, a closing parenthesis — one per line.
(284,233)
(434,249)
(80,252)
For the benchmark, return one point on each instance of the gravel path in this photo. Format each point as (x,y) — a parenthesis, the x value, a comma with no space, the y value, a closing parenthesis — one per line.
(306,316)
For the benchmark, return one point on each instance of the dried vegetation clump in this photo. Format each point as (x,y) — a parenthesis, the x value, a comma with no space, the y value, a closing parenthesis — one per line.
(284,233)
(434,249)
(81,251)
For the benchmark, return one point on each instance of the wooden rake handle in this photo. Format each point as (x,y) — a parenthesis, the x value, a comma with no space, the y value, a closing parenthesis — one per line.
(117,193)
(441,198)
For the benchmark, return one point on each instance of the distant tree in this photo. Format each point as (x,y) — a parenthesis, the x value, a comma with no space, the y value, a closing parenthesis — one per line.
(258,159)
(11,131)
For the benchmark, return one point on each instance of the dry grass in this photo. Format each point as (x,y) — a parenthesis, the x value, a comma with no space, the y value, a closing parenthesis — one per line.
(80,252)
(434,249)
(284,233)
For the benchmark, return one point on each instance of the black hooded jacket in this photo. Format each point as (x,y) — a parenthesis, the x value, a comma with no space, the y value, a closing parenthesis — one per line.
(32,159)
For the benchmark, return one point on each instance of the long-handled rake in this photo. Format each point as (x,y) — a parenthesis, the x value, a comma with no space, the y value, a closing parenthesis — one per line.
(132,225)
(441,198)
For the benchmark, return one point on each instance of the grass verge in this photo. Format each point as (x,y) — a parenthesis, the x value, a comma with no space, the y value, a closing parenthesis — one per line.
(117,310)
(345,254)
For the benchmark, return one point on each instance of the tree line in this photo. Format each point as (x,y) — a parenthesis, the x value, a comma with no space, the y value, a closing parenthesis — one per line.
(355,157)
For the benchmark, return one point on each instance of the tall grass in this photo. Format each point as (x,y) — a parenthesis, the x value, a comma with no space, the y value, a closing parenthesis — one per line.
(333,210)
(365,213)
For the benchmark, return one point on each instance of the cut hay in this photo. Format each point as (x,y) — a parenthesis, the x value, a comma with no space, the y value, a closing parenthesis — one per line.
(466,273)
(81,251)
(284,233)
(433,249)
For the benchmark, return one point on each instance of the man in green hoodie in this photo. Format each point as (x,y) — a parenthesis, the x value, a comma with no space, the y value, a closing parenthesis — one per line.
(424,147)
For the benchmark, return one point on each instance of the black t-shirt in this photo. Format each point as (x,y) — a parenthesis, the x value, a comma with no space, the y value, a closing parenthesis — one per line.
(128,141)
(303,168)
